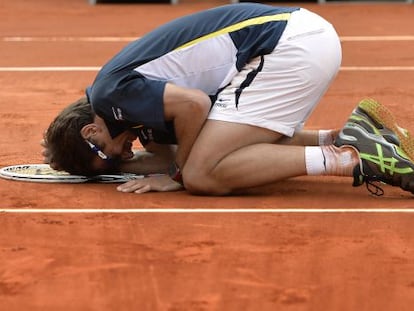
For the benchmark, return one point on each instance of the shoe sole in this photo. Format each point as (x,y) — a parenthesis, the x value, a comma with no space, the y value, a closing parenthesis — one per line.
(383,116)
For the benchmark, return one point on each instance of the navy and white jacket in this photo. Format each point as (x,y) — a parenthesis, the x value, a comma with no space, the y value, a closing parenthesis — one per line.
(204,50)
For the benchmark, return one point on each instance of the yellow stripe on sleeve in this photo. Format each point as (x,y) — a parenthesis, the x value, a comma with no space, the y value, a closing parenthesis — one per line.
(248,22)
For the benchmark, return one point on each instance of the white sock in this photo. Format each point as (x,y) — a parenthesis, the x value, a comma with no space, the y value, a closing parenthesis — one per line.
(330,160)
(314,161)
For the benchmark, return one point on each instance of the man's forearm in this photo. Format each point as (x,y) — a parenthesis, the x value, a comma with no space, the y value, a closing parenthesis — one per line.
(145,162)
(188,126)
(188,108)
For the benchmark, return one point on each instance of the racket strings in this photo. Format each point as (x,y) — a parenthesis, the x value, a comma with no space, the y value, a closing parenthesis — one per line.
(38,171)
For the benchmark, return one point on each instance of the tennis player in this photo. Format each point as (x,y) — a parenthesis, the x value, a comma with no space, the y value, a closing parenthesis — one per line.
(219,99)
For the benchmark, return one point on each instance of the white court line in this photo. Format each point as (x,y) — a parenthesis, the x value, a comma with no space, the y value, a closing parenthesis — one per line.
(96,68)
(377,68)
(69,39)
(129,39)
(204,210)
(375,38)
(50,68)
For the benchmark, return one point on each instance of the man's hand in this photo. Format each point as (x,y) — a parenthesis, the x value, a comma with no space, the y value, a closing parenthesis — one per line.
(161,183)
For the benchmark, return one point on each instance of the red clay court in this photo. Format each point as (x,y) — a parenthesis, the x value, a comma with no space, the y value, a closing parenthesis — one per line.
(309,243)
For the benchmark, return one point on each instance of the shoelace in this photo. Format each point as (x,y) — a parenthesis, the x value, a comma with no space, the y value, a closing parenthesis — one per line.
(373,188)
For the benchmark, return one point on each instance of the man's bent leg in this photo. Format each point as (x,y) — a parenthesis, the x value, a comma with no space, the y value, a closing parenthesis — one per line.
(229,156)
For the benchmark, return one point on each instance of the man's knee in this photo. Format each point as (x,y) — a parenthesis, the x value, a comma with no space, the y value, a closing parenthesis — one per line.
(199,183)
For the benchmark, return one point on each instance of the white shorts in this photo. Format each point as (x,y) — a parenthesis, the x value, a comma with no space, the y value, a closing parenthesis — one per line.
(289,82)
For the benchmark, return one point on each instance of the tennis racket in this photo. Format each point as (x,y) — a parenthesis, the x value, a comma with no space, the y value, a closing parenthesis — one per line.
(45,174)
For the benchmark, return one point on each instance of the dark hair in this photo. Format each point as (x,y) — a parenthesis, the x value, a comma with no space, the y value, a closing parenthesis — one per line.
(67,147)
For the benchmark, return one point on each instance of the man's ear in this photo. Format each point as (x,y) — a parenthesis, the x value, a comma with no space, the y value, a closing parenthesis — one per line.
(89,130)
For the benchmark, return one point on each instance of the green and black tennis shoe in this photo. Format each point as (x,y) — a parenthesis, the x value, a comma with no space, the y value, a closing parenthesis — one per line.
(385,149)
